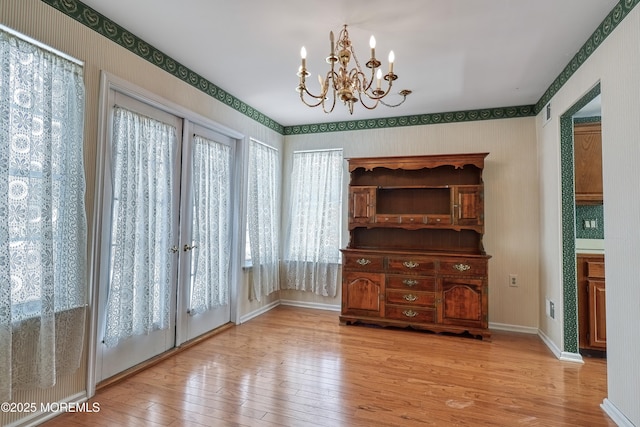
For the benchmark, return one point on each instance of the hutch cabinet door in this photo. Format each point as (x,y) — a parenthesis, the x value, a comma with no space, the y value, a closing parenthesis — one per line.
(463,302)
(362,202)
(468,205)
(363,293)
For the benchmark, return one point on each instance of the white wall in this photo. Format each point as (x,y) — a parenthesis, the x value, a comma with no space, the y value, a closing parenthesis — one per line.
(511,202)
(616,64)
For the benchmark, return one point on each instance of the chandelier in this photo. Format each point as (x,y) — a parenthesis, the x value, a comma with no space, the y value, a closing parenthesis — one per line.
(349,85)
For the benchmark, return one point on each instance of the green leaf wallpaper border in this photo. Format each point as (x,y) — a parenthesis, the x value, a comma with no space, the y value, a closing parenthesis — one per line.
(606,27)
(417,120)
(109,29)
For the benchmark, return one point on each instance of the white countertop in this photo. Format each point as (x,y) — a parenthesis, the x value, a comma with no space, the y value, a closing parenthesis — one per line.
(590,246)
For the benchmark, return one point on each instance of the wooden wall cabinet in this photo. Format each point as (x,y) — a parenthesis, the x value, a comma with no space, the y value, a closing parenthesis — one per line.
(591,302)
(415,256)
(587,143)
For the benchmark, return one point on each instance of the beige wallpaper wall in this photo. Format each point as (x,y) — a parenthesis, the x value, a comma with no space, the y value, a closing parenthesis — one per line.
(511,199)
(616,65)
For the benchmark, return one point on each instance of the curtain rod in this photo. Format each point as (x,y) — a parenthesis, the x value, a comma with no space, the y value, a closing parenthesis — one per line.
(317,151)
(41,45)
(264,144)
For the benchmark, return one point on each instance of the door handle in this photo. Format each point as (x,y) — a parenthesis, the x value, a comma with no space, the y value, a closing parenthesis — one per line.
(187,248)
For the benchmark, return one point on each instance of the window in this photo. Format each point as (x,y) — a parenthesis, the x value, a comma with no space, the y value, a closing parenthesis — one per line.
(262,217)
(312,253)
(42,215)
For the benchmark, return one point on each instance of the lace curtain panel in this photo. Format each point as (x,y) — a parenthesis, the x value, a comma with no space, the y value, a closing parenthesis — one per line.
(312,250)
(143,156)
(43,228)
(262,218)
(211,259)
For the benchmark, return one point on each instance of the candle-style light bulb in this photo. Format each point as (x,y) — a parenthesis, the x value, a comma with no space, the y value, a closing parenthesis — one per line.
(303,55)
(379,77)
(333,45)
(392,58)
(372,45)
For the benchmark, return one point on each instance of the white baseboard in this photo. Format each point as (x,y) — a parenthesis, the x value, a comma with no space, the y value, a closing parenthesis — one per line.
(614,413)
(561,355)
(293,303)
(258,312)
(565,356)
(513,328)
(314,305)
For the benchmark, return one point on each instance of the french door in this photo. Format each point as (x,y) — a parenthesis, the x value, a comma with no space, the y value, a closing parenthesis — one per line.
(166,234)
(206,217)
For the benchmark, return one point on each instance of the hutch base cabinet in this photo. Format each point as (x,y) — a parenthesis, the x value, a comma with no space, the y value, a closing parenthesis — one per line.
(415,256)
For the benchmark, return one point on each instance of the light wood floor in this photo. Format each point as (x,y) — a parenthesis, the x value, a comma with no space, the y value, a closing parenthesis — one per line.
(299,367)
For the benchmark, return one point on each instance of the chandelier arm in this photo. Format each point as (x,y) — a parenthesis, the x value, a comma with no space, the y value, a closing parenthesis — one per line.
(404,98)
(333,104)
(330,83)
(303,91)
(375,104)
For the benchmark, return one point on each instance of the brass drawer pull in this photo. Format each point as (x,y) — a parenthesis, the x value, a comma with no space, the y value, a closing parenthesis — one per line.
(462,267)
(410,297)
(410,282)
(363,261)
(410,313)
(410,264)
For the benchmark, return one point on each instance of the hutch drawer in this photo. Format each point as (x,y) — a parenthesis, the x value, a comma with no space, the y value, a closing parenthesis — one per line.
(422,299)
(463,267)
(410,264)
(411,314)
(358,261)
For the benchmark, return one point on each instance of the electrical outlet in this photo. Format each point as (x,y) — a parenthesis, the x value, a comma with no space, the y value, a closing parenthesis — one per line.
(552,310)
(513,280)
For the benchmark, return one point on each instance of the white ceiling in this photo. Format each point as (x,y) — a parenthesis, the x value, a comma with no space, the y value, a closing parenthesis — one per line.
(453,54)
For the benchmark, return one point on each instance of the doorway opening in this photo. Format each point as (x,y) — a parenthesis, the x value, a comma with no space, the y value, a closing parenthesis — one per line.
(570,291)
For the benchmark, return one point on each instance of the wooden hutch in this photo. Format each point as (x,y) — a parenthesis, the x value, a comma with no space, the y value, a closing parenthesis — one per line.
(415,256)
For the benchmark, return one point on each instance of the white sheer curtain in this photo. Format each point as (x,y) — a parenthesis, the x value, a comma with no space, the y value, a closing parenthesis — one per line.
(262,217)
(211,258)
(143,153)
(42,216)
(312,252)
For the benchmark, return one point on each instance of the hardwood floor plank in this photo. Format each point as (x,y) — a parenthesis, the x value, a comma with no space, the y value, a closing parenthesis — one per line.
(299,367)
